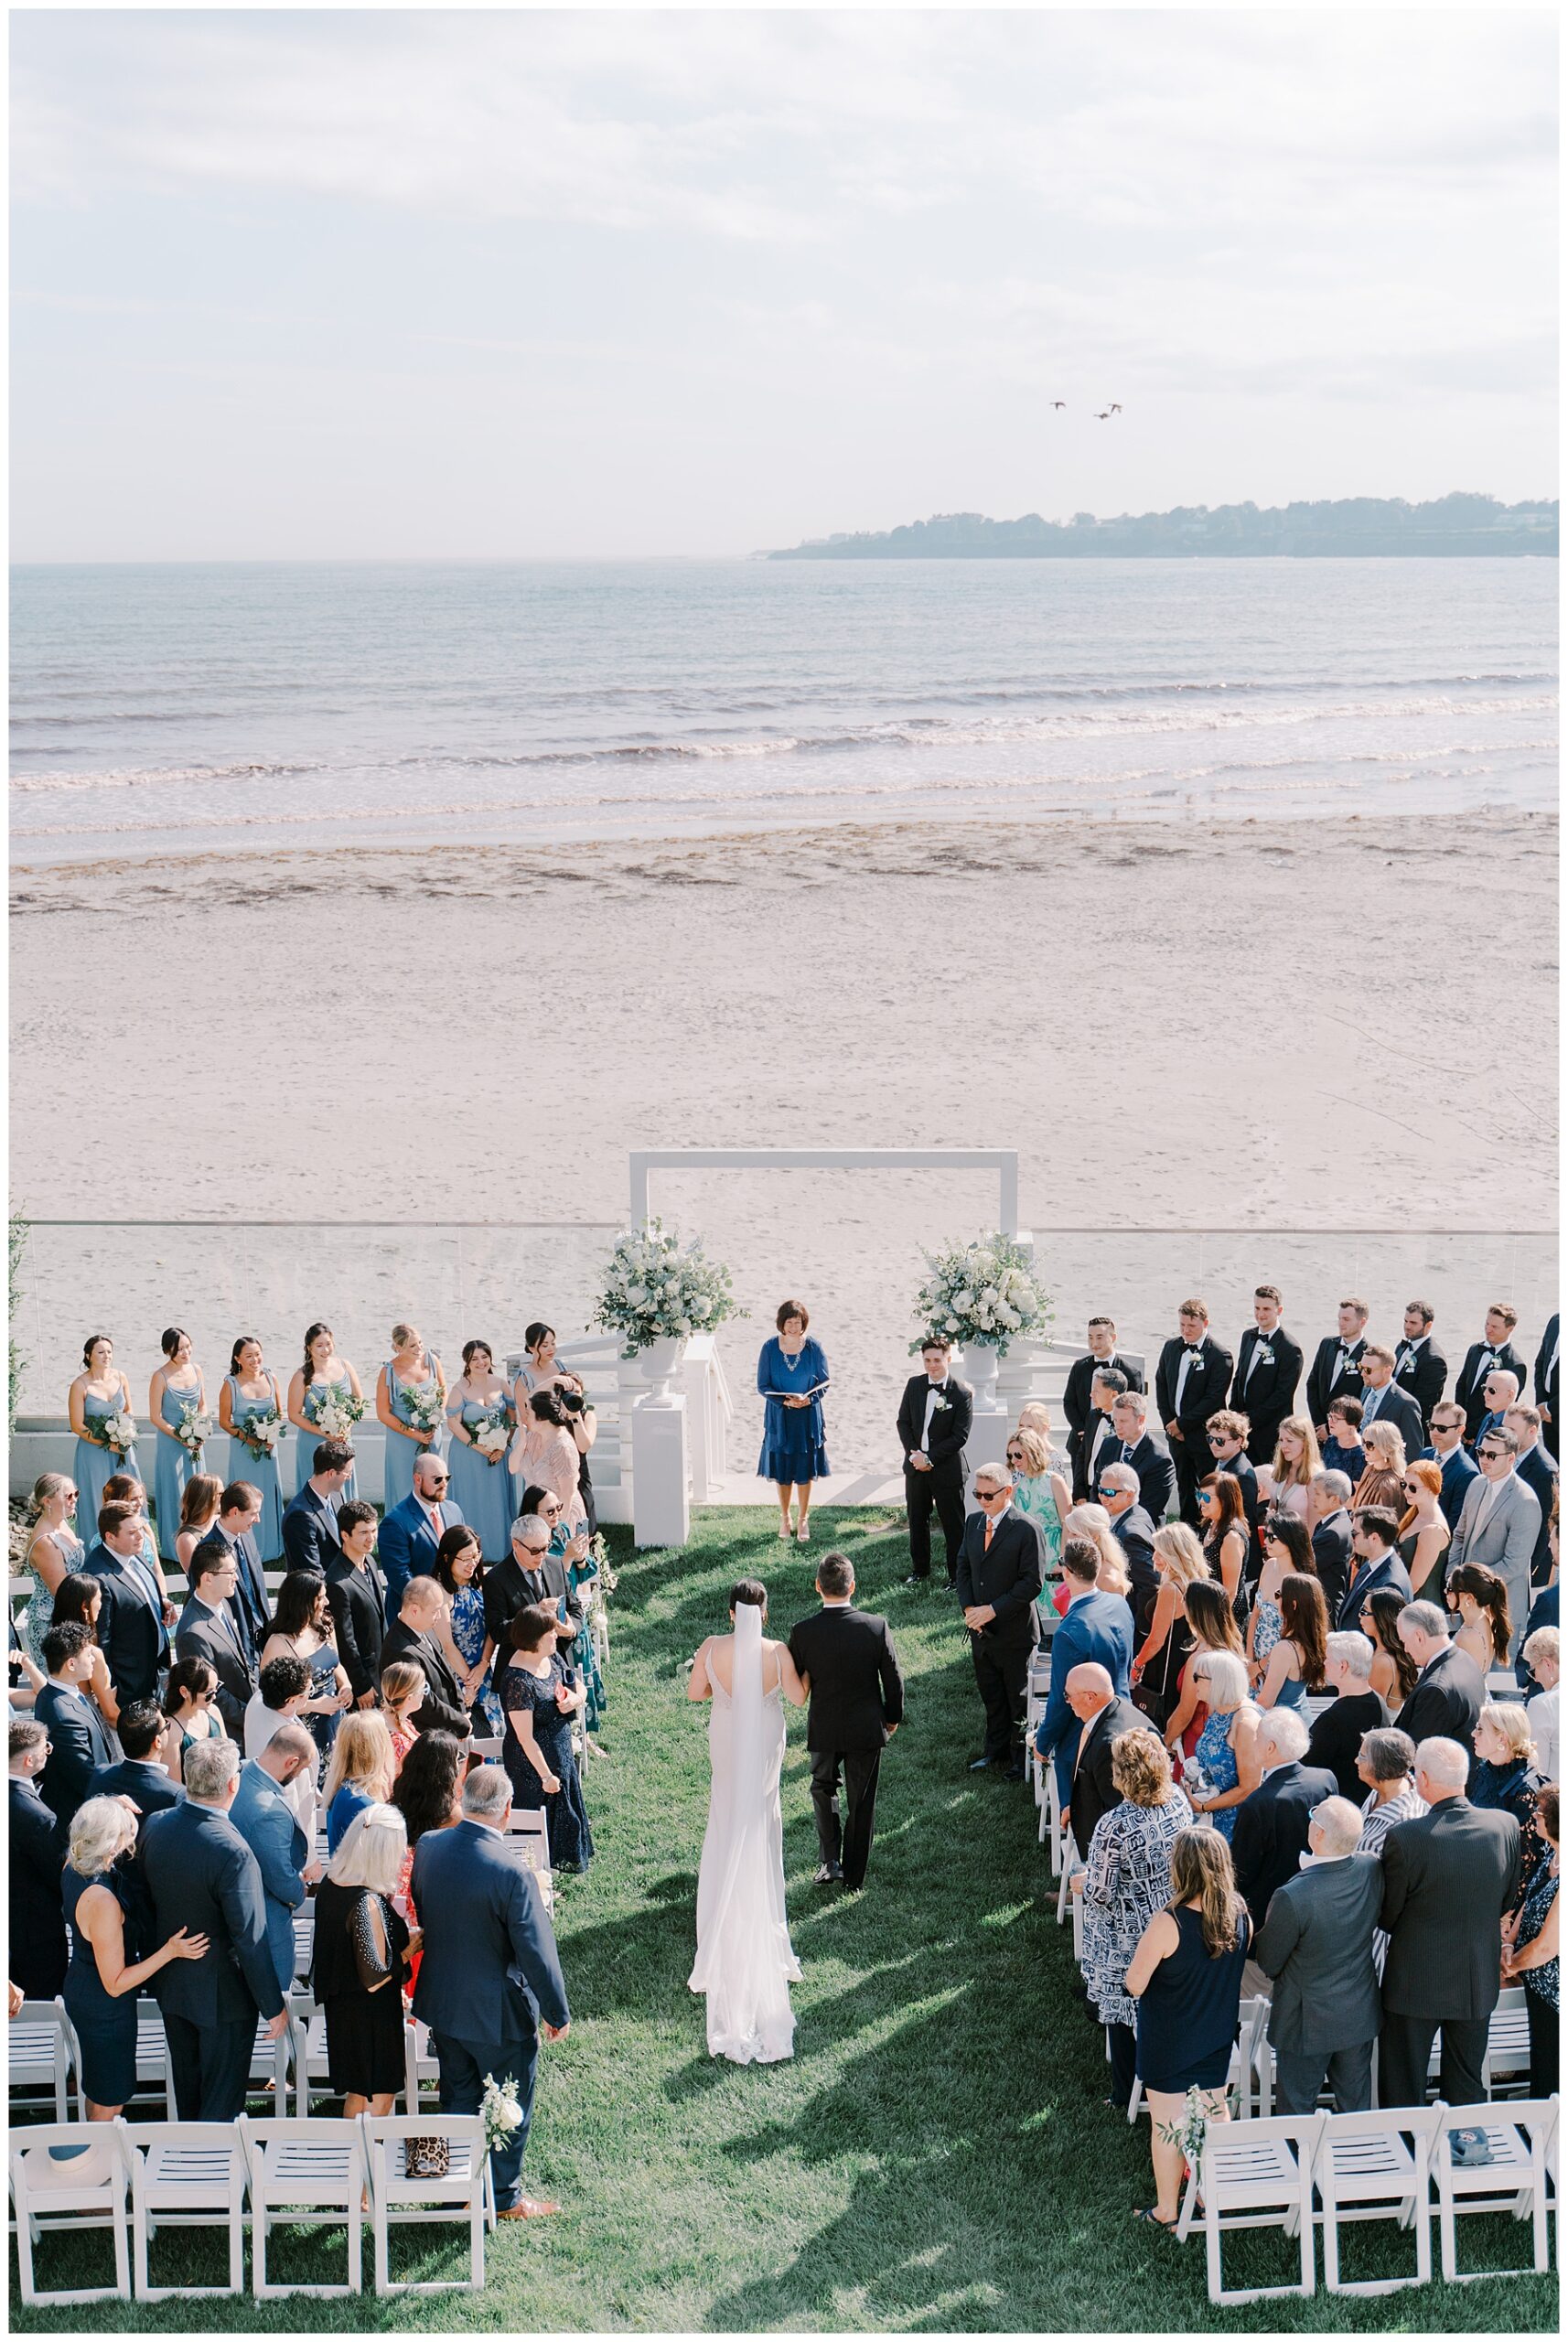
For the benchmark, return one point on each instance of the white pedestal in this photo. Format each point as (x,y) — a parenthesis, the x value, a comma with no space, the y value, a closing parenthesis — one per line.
(987,1441)
(660,1511)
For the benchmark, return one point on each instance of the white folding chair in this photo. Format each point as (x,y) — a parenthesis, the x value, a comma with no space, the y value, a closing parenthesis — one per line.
(1075,1903)
(151,2053)
(527,1842)
(66,2176)
(1507,2042)
(1502,1683)
(1514,2180)
(1255,2175)
(272,2060)
(1237,2074)
(303,1940)
(420,2064)
(184,2175)
(308,2171)
(1260,2061)
(464,2193)
(44,2054)
(490,1751)
(1375,2166)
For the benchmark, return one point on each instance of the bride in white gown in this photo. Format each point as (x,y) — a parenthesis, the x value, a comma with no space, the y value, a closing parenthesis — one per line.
(744,1964)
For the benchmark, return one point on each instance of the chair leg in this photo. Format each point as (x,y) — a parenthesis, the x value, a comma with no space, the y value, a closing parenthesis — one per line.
(1330,2244)
(356,2275)
(236,2248)
(25,2253)
(122,2253)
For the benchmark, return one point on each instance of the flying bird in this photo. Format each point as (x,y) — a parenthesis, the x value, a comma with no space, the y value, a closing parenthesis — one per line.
(1059,401)
(1114,410)
(1104,418)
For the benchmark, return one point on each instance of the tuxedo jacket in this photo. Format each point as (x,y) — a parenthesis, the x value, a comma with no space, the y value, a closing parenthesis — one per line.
(131,1628)
(1337,1734)
(1096,1629)
(1207,1390)
(407,1545)
(1548,1381)
(857,1691)
(1424,1376)
(1448,1877)
(1447,1698)
(38,1953)
(1135,1532)
(508,1588)
(1323,1383)
(1078,1393)
(1090,1454)
(1395,1405)
(1271,1831)
(1264,1389)
(1459,1467)
(216,1637)
(442,1709)
(357,1599)
(248,1603)
(1331,1558)
(1010,1575)
(1091,1793)
(79,1742)
(1390,1571)
(950,1424)
(1470,1389)
(310,1532)
(1151,1463)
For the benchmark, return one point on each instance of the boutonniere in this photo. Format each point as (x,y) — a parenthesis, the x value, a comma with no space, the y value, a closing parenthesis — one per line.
(1198,1364)
(1264,1353)
(943,1406)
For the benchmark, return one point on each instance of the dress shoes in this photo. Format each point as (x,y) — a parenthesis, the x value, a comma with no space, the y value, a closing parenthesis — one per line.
(1015,1772)
(527,2207)
(981,1764)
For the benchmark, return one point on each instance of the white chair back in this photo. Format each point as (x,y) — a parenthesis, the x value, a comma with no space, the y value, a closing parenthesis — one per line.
(303,2171)
(184,2175)
(1513,2179)
(44,2055)
(1374,2166)
(67,2177)
(462,2194)
(1252,2176)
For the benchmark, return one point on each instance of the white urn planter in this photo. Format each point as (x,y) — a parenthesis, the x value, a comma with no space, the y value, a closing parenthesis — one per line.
(661,1363)
(987,1442)
(981,1364)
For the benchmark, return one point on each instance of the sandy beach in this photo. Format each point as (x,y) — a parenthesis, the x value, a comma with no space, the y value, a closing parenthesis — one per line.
(1201,1028)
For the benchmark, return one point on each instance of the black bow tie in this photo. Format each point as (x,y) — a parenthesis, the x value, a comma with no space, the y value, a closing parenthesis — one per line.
(1192,1348)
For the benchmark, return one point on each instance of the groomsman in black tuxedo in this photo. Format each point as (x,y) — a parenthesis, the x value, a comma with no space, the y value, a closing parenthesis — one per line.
(1001,1569)
(1268,1369)
(1106,1391)
(1420,1366)
(1494,1349)
(1078,1399)
(934,1417)
(1383,1400)
(1546,1385)
(1190,1384)
(1335,1371)
(310,1523)
(233,1537)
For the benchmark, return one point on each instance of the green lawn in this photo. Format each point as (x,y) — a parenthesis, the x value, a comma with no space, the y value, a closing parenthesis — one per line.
(935,2157)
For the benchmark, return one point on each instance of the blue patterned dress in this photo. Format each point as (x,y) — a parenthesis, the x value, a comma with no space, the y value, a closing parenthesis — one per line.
(468,1634)
(1218,1758)
(261,1471)
(484,1491)
(93,1463)
(402,1454)
(305,1445)
(792,1448)
(174,1467)
(41,1602)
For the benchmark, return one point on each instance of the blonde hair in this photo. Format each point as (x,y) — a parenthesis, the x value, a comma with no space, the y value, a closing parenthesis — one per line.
(101,1829)
(1386,1440)
(45,1488)
(1092,1522)
(1034,1416)
(1141,1767)
(362,1753)
(1507,1718)
(1037,1454)
(1177,1547)
(373,1850)
(401,1680)
(1226,1675)
(403,1336)
(1310,1461)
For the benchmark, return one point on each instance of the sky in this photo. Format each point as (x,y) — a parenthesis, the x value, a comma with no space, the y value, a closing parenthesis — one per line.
(319,285)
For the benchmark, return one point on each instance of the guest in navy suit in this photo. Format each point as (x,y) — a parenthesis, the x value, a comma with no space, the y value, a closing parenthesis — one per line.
(1448,1450)
(413,1530)
(80,1740)
(1329,1520)
(1272,1824)
(142,1730)
(1483,1357)
(131,1629)
(36,1950)
(490,1980)
(209,1629)
(1547,1384)
(1097,1629)
(1132,1443)
(1374,1548)
(310,1521)
(1500,1390)
(1135,1532)
(234,1535)
(1383,1402)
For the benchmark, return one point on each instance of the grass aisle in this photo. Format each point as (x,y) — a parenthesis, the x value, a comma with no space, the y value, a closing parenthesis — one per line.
(935,2158)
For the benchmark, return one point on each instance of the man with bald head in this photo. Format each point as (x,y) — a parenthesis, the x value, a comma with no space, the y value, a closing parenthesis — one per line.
(1499,1390)
(1103,1715)
(1096,1626)
(1316,1944)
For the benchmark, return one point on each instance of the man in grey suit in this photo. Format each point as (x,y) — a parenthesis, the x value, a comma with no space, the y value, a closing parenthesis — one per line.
(1316,1944)
(1499,1524)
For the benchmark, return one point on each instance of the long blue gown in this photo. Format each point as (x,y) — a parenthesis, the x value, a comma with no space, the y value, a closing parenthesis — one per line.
(93,1464)
(792,1447)
(402,1454)
(315,1397)
(174,1469)
(484,1491)
(261,1471)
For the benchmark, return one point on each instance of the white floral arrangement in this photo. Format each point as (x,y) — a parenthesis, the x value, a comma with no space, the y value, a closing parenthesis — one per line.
(336,1416)
(491,1434)
(118,1432)
(501,2107)
(262,1431)
(1190,2130)
(426,1408)
(194,1428)
(981,1292)
(657,1289)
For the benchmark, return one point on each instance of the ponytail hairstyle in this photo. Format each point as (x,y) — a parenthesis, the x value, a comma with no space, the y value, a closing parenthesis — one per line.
(1491,1596)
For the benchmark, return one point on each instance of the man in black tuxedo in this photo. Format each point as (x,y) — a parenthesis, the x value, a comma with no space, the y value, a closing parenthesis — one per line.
(846,1661)
(1271,1824)
(1078,1403)
(1190,1384)
(38,1952)
(1102,1718)
(412,1636)
(357,1599)
(1534,1466)
(1135,1532)
(131,1628)
(1547,1385)
(1133,1442)
(1420,1367)
(201,1875)
(1108,1386)
(530,1574)
(234,1535)
(1334,1742)
(1001,1569)
(1383,1402)
(1336,1370)
(1449,1876)
(1329,1519)
(1268,1369)
(934,1417)
(1493,1351)
(209,1629)
(310,1522)
(1449,1452)
(78,1739)
(1450,1690)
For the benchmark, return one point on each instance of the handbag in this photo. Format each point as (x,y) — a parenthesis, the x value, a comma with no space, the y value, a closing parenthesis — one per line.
(427,2156)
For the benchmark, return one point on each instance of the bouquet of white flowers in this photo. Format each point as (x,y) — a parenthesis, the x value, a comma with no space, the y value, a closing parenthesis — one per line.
(491,1434)
(262,1431)
(501,2109)
(337,1414)
(425,1407)
(1188,2133)
(193,1428)
(605,1578)
(657,1289)
(118,1432)
(983,1291)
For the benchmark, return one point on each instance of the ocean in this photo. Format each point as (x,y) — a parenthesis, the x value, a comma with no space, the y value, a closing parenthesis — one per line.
(204,708)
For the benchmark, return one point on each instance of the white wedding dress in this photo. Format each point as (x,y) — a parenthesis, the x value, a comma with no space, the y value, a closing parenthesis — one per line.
(744,1964)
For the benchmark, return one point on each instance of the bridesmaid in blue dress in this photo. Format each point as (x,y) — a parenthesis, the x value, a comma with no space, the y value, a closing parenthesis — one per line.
(792,1373)
(53,1554)
(411,1369)
(483,1489)
(250,1394)
(99,1392)
(323,1376)
(178,1384)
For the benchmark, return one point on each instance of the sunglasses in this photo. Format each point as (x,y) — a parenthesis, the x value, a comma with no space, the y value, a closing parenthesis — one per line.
(1014,1455)
(985,1495)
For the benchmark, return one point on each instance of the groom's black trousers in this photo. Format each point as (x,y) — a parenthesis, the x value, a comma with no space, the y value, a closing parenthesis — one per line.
(853,1849)
(941,1489)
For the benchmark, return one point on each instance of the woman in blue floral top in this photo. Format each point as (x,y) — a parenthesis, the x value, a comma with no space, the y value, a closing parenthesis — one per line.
(460,1572)
(1532,1958)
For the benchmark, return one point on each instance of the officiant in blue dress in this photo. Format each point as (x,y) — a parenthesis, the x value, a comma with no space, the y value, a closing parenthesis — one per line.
(792,1374)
